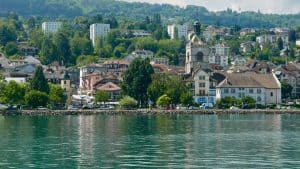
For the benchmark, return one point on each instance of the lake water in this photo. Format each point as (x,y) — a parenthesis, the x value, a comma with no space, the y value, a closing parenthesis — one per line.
(177,141)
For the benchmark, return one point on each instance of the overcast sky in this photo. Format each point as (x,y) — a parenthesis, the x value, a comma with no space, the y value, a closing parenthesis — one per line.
(265,6)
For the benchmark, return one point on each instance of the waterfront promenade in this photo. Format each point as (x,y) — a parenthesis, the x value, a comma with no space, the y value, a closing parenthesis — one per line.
(147,112)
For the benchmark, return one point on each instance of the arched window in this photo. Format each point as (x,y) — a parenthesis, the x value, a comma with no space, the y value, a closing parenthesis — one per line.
(199,57)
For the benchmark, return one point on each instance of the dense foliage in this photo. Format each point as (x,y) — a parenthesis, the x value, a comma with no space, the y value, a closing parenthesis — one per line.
(137,80)
(138,11)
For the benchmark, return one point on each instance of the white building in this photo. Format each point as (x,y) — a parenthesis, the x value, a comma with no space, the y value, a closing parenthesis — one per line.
(265,89)
(139,54)
(51,27)
(98,30)
(202,84)
(220,55)
(182,31)
(298,42)
(272,38)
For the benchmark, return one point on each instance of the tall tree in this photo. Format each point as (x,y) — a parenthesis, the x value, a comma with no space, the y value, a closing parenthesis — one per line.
(61,42)
(280,43)
(35,99)
(48,51)
(137,80)
(39,82)
(101,96)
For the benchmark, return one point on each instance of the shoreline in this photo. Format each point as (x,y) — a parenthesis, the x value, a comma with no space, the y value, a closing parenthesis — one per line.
(143,112)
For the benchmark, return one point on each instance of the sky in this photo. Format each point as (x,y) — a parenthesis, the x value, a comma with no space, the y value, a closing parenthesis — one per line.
(265,6)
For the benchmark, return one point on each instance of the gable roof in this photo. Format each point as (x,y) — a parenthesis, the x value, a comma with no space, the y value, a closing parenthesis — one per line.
(250,80)
(109,87)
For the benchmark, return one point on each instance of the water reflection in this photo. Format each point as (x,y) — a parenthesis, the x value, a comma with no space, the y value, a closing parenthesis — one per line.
(177,141)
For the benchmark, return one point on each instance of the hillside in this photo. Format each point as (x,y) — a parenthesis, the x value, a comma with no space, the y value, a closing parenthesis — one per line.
(138,11)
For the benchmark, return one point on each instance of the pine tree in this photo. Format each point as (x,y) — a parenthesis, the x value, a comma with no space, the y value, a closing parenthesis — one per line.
(39,82)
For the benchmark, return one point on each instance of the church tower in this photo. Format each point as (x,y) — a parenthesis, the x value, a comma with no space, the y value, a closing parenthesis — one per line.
(197,54)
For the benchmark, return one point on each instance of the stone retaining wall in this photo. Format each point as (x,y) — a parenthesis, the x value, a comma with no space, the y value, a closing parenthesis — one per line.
(143,112)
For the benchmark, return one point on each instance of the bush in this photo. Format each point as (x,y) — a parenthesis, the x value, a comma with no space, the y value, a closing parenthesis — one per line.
(36,98)
(128,102)
(163,100)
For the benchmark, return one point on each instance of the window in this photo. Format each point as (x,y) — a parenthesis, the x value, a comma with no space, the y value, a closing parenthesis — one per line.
(201,77)
(259,99)
(241,88)
(271,94)
(251,91)
(232,90)
(201,85)
(259,91)
(226,91)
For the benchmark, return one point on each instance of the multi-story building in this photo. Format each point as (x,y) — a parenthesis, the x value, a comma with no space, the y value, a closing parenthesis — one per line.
(177,31)
(51,27)
(98,30)
(220,55)
(202,84)
(265,89)
(290,74)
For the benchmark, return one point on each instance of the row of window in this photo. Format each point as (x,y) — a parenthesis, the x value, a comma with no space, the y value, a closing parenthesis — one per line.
(251,91)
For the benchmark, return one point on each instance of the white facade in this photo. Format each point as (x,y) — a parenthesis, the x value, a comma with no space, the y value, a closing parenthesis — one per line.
(98,30)
(264,89)
(182,31)
(272,38)
(298,42)
(220,55)
(51,27)
(16,79)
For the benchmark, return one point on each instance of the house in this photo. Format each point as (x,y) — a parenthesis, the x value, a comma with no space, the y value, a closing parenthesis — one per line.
(290,73)
(88,70)
(98,30)
(4,62)
(239,61)
(247,46)
(163,61)
(17,77)
(116,65)
(27,50)
(108,82)
(246,31)
(265,89)
(202,84)
(139,54)
(220,55)
(177,31)
(261,67)
(51,27)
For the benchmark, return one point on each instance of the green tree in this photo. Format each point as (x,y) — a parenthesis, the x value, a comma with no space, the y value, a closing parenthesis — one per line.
(7,34)
(101,96)
(61,42)
(280,43)
(163,100)
(13,93)
(186,99)
(48,52)
(286,90)
(57,96)
(35,99)
(119,50)
(128,102)
(137,79)
(39,82)
(11,49)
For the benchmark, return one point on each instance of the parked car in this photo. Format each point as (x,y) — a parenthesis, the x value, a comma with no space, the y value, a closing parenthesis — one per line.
(234,108)
(206,106)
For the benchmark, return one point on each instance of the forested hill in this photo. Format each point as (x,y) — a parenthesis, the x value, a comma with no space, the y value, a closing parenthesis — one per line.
(138,11)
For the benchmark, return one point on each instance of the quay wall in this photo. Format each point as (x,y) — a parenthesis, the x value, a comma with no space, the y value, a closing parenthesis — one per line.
(143,112)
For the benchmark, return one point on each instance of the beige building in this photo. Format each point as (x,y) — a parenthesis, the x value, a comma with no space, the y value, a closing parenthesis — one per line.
(264,88)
